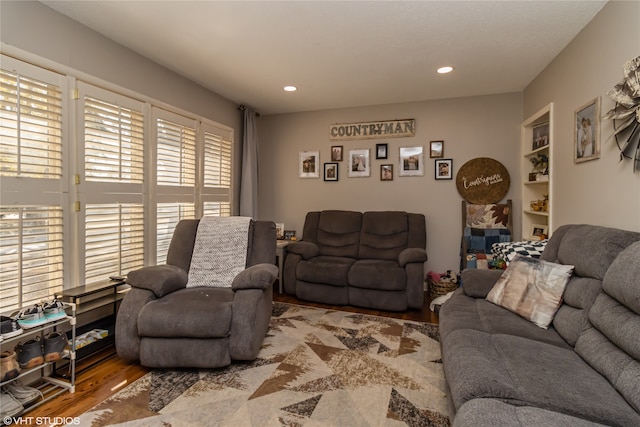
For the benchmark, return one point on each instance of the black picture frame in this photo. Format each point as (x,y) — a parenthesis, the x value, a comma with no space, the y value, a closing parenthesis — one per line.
(331,171)
(443,169)
(381,151)
(336,153)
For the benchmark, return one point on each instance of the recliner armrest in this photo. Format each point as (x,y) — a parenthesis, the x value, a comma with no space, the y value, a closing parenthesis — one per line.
(159,279)
(306,250)
(412,255)
(259,276)
(478,283)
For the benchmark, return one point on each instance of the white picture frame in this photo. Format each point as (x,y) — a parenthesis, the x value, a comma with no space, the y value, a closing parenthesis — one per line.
(309,164)
(359,163)
(411,161)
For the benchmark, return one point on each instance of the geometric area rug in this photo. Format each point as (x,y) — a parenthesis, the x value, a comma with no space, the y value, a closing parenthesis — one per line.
(316,367)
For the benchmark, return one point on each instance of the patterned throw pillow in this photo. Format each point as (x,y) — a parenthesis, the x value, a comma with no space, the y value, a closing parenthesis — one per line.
(532,288)
(508,251)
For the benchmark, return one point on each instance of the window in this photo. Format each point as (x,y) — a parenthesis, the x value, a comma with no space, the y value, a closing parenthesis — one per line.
(32,188)
(93,182)
(113,148)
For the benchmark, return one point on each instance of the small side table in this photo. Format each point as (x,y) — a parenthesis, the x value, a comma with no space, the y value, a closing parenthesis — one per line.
(281,253)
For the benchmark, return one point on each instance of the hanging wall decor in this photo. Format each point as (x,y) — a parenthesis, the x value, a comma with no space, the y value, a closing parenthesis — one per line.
(483,181)
(626,113)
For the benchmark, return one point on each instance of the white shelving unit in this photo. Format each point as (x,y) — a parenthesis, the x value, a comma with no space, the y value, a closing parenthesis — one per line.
(536,190)
(49,385)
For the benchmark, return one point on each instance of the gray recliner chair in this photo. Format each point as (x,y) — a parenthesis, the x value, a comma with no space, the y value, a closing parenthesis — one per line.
(164,324)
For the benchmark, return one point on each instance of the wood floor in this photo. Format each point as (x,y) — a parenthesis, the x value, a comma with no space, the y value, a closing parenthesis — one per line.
(96,381)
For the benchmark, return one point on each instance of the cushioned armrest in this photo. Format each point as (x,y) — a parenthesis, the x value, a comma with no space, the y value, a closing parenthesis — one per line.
(159,279)
(478,283)
(306,250)
(412,255)
(259,276)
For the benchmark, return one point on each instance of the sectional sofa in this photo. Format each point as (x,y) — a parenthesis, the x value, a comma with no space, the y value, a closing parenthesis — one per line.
(584,369)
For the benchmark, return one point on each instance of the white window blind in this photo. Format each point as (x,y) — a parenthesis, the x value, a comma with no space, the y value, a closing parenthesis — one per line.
(217,208)
(169,214)
(30,127)
(217,160)
(31,174)
(113,142)
(176,154)
(112,145)
(114,240)
(30,255)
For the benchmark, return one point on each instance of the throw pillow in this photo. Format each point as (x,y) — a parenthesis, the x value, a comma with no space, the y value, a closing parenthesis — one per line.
(531,288)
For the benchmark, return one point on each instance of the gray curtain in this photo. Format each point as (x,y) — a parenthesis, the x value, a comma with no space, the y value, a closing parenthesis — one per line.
(249,176)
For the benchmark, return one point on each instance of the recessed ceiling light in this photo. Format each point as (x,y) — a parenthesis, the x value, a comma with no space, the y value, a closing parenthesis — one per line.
(445,70)
(290,88)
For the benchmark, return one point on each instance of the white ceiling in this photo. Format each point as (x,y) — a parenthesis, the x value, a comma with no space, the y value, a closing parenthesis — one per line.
(342,54)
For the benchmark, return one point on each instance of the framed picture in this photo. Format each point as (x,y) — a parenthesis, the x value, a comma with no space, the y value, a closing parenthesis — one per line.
(336,153)
(538,232)
(411,161)
(289,234)
(587,132)
(381,151)
(309,164)
(386,172)
(436,149)
(330,171)
(444,169)
(359,165)
(540,136)
(279,230)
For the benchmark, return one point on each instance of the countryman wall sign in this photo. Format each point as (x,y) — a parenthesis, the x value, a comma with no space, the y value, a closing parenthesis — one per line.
(371,130)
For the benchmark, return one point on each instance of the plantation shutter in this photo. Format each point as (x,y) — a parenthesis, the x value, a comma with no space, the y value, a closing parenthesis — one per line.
(31,192)
(216,193)
(113,152)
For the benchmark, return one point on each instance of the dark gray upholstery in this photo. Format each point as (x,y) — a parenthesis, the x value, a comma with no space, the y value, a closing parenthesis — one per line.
(504,370)
(163,324)
(372,259)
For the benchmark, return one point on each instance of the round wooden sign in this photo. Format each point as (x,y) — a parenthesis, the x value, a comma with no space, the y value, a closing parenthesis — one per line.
(483,181)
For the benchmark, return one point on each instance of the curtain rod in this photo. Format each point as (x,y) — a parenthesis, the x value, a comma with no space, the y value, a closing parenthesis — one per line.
(242,108)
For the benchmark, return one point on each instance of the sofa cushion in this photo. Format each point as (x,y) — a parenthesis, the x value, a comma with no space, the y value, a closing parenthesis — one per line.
(493,412)
(384,235)
(338,233)
(377,274)
(464,312)
(531,288)
(571,318)
(166,317)
(525,372)
(612,346)
(327,270)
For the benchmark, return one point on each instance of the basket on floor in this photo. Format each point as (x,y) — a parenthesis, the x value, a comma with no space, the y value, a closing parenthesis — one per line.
(440,288)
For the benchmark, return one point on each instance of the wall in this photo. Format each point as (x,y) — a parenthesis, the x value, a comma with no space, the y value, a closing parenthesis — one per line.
(39,30)
(603,191)
(484,126)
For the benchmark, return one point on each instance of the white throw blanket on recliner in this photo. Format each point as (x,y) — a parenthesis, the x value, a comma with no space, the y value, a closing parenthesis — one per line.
(219,252)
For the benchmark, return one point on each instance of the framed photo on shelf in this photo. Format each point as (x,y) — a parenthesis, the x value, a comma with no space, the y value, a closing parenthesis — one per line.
(411,161)
(540,136)
(309,164)
(330,171)
(436,149)
(538,232)
(386,172)
(444,169)
(289,234)
(359,165)
(336,153)
(381,151)
(279,230)
(587,132)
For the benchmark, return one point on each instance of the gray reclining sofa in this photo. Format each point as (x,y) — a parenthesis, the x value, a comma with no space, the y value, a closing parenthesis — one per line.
(583,370)
(372,259)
